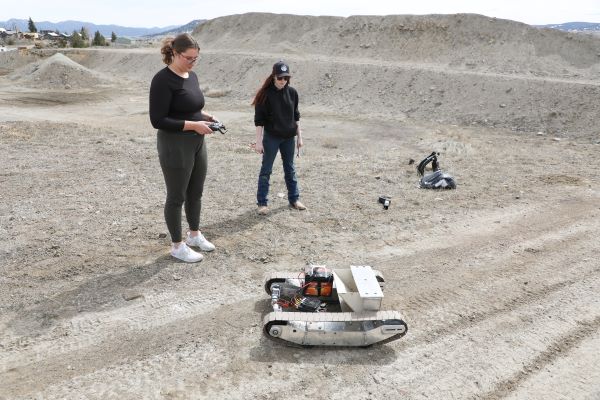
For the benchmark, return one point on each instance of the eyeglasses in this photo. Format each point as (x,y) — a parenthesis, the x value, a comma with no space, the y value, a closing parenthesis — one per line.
(191,60)
(283,78)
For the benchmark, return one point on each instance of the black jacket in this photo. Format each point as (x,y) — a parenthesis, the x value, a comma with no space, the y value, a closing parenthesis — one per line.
(279,113)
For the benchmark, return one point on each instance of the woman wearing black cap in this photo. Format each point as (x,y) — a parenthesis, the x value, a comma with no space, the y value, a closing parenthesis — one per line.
(276,118)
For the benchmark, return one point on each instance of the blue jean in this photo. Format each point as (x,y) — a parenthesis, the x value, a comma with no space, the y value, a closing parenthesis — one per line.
(272,144)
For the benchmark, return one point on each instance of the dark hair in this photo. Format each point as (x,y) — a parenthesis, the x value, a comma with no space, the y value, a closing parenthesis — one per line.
(179,44)
(261,95)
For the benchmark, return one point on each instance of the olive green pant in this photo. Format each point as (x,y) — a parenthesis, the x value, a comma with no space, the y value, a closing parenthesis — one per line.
(184,161)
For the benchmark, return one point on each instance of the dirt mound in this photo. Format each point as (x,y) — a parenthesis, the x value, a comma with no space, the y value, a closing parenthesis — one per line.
(11,60)
(59,72)
(469,40)
(467,70)
(462,69)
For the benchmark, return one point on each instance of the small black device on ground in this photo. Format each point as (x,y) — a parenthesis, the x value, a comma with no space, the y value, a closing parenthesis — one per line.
(385,200)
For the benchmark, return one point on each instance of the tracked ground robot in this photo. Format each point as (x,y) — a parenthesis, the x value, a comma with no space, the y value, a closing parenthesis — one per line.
(330,307)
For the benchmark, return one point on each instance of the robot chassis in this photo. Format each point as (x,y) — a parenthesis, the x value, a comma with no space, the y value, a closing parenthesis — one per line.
(330,307)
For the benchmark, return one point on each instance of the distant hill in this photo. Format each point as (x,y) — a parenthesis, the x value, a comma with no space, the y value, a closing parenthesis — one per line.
(472,40)
(189,27)
(70,26)
(575,26)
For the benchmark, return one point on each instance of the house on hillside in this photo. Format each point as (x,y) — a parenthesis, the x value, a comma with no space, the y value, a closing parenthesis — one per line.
(7,34)
(31,35)
(4,33)
(51,36)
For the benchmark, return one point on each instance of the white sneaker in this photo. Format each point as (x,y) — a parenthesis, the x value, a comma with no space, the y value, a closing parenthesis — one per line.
(298,206)
(199,241)
(262,210)
(184,253)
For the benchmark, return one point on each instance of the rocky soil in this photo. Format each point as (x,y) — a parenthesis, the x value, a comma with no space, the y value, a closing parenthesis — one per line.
(497,280)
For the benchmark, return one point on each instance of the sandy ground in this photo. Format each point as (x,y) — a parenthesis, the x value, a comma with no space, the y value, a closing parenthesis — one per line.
(497,280)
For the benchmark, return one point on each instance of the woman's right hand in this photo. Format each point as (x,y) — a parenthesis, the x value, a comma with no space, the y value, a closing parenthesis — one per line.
(258,147)
(202,127)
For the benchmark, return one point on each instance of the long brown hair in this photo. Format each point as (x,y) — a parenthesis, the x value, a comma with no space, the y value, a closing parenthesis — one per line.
(261,95)
(179,44)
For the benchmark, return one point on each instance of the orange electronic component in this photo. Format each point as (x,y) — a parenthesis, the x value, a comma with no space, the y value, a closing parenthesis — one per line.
(312,289)
(326,288)
(318,289)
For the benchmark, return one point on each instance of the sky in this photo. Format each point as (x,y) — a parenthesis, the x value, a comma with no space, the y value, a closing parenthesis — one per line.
(161,13)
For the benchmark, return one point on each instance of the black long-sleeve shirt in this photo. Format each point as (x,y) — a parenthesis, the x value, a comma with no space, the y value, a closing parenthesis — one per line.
(174,99)
(279,113)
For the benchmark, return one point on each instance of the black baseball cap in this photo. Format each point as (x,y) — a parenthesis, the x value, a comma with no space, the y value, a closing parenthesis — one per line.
(281,69)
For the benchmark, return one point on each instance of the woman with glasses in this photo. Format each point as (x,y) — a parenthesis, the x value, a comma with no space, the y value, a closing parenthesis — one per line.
(276,118)
(176,104)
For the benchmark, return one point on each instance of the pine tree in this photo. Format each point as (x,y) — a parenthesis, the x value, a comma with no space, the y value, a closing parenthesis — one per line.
(32,27)
(113,37)
(77,40)
(84,34)
(99,40)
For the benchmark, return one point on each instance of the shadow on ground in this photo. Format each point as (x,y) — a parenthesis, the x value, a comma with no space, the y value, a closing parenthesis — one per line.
(101,293)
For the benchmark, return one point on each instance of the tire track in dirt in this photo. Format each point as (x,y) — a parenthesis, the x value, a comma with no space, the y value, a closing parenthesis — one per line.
(141,342)
(476,317)
(574,375)
(407,65)
(148,341)
(137,318)
(472,361)
(245,372)
(502,277)
(558,348)
(497,287)
(103,317)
